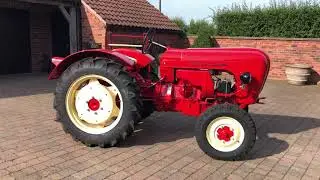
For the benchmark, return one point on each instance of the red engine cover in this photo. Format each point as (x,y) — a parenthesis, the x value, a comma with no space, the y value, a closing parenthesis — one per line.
(233,60)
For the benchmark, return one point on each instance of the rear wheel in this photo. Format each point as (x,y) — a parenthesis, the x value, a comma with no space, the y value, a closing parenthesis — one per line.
(97,102)
(226,132)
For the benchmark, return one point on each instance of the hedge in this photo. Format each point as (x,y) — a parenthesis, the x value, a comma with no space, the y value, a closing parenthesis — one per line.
(203,40)
(280,19)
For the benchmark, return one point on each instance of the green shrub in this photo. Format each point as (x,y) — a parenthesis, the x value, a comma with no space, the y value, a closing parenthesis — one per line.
(280,19)
(203,40)
(181,23)
(196,26)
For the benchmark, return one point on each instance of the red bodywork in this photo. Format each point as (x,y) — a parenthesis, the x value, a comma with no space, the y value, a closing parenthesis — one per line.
(186,83)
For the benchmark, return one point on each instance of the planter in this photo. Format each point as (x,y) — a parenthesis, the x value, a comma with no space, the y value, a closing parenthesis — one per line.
(298,74)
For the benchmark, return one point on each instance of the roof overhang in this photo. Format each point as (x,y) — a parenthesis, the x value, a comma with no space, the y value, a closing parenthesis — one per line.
(55,2)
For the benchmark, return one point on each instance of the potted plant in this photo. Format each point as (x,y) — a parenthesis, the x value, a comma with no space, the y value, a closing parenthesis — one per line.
(298,74)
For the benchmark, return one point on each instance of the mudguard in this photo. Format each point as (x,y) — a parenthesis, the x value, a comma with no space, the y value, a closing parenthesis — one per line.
(127,57)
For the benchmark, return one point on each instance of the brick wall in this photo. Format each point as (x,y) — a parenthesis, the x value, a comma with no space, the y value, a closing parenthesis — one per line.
(93,29)
(282,51)
(41,44)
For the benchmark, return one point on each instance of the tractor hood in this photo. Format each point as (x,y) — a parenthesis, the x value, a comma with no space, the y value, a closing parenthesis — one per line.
(234,60)
(238,59)
(212,56)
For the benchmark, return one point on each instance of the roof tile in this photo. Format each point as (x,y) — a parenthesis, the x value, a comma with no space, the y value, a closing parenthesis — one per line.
(138,13)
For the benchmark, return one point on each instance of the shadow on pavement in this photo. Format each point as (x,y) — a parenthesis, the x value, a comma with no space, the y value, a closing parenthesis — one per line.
(270,128)
(162,127)
(169,127)
(25,85)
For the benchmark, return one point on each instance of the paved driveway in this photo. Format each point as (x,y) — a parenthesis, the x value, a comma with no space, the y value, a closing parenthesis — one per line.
(33,145)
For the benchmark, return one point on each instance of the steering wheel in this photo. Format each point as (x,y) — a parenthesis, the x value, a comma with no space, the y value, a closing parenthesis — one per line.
(148,39)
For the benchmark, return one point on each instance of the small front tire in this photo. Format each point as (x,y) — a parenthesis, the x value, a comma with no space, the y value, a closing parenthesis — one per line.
(226,132)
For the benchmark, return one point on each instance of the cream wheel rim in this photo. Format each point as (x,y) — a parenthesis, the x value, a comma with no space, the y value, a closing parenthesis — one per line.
(94,104)
(225,134)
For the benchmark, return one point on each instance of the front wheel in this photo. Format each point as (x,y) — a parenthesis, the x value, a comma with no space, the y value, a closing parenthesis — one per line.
(226,132)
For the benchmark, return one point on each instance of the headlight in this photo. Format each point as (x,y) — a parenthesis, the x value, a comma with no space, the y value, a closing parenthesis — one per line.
(246,78)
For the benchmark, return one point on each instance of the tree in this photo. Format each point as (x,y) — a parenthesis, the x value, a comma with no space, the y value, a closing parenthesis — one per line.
(181,23)
(198,25)
(204,39)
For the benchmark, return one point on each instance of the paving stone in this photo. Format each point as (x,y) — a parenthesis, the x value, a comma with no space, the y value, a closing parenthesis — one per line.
(200,174)
(119,176)
(255,176)
(100,175)
(178,176)
(234,177)
(160,175)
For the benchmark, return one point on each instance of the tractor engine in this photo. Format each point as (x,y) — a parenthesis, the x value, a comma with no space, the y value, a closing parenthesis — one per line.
(224,82)
(192,91)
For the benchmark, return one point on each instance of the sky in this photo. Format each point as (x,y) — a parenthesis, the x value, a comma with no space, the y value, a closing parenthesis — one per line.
(197,9)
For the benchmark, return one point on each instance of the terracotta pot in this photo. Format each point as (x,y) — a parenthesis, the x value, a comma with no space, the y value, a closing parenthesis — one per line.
(298,74)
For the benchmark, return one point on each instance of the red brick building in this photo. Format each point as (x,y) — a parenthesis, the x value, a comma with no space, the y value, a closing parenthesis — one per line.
(116,22)
(32,31)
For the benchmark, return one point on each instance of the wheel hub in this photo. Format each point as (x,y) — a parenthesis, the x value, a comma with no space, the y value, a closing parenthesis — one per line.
(225,133)
(94,103)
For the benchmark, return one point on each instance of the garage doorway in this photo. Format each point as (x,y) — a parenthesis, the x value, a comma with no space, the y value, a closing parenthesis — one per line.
(14,41)
(60,35)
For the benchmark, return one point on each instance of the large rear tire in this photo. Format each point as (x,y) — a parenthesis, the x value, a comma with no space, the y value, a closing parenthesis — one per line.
(97,102)
(226,132)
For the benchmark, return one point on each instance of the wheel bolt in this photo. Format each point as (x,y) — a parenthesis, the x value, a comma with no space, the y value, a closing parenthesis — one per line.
(101,109)
(100,100)
(96,113)
(88,110)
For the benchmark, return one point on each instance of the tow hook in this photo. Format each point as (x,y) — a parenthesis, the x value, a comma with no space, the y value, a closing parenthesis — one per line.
(259,100)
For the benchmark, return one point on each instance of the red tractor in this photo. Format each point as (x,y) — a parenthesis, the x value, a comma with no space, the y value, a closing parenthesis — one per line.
(102,94)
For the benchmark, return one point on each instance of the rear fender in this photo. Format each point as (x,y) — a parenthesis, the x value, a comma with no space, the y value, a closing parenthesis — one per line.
(142,60)
(61,64)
